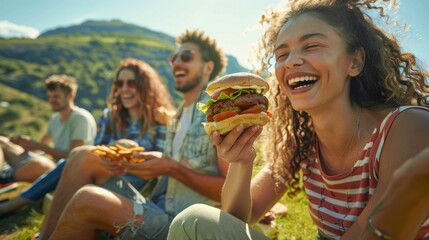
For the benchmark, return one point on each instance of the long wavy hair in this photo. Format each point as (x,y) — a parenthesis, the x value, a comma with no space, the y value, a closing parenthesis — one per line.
(153,96)
(389,78)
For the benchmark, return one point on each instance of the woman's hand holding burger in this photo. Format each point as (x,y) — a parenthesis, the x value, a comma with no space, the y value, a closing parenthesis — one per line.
(235,114)
(237,145)
(235,99)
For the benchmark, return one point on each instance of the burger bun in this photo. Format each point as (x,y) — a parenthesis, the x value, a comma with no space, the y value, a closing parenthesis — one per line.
(242,79)
(228,124)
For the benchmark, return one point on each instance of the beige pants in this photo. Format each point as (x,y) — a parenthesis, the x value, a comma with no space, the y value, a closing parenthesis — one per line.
(201,222)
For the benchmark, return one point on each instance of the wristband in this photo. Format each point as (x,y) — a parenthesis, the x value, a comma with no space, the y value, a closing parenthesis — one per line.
(377,232)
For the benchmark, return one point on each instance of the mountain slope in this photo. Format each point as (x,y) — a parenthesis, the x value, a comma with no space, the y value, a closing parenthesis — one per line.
(92,27)
(21,113)
(90,52)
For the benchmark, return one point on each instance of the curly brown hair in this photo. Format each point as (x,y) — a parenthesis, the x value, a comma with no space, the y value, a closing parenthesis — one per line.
(209,49)
(390,78)
(152,91)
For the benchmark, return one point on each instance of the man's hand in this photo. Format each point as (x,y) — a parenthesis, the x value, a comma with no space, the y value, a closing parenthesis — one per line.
(25,142)
(114,167)
(155,165)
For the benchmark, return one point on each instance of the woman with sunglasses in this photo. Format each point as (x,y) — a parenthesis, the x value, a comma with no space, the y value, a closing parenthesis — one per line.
(139,101)
(139,108)
(350,108)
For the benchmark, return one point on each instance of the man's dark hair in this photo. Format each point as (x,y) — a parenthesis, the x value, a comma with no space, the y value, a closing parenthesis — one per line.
(209,49)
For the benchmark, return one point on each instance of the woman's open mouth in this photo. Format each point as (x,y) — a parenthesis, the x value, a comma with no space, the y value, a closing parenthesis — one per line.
(302,82)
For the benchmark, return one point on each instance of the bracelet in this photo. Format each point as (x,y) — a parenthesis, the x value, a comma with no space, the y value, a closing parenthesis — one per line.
(377,232)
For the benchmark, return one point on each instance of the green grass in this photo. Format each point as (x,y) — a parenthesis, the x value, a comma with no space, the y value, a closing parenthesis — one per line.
(296,225)
(31,225)
(24,223)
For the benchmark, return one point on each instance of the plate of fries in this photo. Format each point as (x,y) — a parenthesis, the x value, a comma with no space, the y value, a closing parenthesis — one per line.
(118,152)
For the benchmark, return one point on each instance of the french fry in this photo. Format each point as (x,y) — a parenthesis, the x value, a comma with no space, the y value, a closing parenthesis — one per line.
(99,152)
(120,147)
(118,152)
(114,148)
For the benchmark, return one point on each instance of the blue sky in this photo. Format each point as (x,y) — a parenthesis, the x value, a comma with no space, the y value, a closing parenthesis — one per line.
(233,23)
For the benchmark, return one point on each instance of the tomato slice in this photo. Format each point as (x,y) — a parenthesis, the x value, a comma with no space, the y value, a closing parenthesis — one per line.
(226,91)
(224,115)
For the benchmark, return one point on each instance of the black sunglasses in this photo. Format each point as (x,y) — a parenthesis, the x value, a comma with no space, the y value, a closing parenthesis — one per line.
(184,55)
(129,83)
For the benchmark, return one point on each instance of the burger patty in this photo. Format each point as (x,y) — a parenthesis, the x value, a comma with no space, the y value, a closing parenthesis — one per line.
(244,101)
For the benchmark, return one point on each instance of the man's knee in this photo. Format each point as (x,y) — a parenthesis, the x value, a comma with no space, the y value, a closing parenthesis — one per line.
(80,151)
(42,163)
(10,148)
(81,156)
(33,169)
(3,140)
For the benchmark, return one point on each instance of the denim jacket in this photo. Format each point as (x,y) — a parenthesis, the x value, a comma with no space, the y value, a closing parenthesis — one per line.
(196,152)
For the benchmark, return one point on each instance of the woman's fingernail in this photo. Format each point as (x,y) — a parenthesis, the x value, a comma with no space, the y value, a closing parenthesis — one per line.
(256,128)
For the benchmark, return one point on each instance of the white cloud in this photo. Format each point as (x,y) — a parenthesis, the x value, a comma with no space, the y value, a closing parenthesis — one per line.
(8,30)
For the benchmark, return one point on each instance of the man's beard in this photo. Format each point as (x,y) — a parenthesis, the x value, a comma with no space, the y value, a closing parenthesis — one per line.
(59,108)
(189,85)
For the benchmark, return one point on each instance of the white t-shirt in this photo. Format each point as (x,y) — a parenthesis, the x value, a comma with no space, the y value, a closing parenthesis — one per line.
(80,125)
(182,128)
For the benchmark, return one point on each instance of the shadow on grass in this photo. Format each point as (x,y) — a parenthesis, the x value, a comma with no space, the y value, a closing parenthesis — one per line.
(23,220)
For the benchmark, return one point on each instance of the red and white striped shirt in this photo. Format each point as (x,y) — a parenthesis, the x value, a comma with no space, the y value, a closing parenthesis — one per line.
(336,201)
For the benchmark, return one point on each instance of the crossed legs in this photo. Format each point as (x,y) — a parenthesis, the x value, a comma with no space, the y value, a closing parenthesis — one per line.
(26,168)
(93,208)
(82,168)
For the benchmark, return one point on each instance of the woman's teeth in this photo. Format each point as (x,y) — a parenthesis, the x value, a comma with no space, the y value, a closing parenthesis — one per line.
(301,82)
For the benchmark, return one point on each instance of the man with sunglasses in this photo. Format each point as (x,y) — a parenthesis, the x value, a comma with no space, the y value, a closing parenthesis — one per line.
(188,170)
(68,128)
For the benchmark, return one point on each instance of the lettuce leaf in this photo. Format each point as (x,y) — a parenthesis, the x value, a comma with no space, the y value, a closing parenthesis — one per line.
(203,107)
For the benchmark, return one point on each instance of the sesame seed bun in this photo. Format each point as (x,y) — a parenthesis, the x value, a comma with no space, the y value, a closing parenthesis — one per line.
(237,80)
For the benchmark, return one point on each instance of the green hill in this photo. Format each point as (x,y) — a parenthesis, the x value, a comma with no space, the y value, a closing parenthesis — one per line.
(91,58)
(21,113)
(92,27)
(90,52)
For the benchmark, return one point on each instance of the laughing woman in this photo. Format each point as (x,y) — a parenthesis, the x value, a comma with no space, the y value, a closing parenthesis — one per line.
(351,108)
(139,107)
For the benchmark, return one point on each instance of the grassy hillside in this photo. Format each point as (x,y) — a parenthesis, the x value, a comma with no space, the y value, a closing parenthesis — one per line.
(90,52)
(91,27)
(22,113)
(91,59)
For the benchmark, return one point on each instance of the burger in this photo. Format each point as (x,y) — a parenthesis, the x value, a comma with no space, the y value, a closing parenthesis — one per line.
(235,99)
